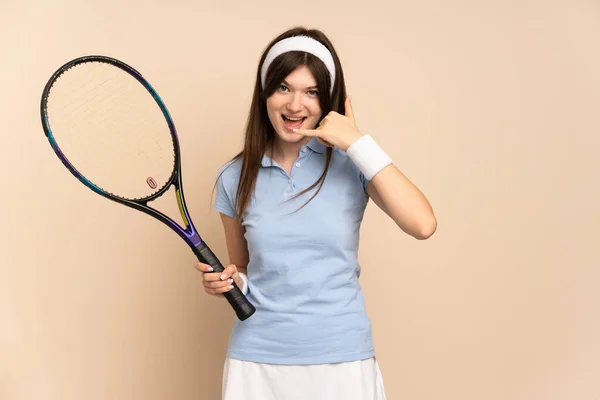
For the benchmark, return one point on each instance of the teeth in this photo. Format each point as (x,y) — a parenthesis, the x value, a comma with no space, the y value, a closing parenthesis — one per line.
(293,119)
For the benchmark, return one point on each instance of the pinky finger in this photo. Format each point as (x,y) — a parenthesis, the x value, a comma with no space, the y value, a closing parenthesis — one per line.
(213,292)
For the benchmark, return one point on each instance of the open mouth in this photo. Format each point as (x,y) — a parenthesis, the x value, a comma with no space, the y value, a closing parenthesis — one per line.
(292,123)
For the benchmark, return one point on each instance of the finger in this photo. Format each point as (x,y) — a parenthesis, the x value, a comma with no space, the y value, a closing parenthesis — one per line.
(217,284)
(349,110)
(228,272)
(203,267)
(212,276)
(212,292)
(235,274)
(220,290)
(219,276)
(307,132)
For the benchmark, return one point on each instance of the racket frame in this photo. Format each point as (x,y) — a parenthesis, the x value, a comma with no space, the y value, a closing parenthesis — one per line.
(243,308)
(189,233)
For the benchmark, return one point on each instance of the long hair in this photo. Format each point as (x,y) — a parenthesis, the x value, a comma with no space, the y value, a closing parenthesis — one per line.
(260,134)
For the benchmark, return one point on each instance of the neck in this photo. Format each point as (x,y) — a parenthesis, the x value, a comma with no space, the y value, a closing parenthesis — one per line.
(284,153)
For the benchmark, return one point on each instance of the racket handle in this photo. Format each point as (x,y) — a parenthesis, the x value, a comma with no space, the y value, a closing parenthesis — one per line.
(242,307)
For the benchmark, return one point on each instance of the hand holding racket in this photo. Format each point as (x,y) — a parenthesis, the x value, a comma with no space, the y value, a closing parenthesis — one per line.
(218,283)
(113,132)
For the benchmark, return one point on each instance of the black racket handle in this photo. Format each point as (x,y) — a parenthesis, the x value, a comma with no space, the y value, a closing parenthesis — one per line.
(242,307)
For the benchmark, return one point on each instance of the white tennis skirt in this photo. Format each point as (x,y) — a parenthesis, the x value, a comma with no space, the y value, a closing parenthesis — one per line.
(356,380)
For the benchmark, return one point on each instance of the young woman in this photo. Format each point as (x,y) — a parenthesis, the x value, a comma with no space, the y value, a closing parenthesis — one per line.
(291,203)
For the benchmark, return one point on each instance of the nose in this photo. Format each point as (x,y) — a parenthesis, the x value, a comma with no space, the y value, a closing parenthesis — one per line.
(295,103)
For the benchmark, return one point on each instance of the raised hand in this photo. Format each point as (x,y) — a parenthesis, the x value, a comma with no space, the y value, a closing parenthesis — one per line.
(336,129)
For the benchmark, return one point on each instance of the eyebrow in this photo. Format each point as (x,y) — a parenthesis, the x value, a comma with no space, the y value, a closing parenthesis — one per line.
(310,87)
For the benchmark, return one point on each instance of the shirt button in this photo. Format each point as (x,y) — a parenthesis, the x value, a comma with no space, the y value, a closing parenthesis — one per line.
(304,149)
(297,164)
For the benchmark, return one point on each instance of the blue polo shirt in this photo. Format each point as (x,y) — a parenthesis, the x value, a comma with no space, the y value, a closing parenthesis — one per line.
(303,270)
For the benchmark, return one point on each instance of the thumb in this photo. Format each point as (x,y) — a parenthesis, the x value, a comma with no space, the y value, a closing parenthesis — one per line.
(349,110)
(236,276)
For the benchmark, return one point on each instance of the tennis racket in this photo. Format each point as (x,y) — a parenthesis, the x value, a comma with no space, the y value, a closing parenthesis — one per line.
(110,128)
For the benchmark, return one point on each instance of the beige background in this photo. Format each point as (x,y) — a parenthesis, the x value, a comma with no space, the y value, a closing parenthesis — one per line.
(490,107)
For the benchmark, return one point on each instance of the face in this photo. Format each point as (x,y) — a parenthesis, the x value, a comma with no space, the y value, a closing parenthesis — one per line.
(295,104)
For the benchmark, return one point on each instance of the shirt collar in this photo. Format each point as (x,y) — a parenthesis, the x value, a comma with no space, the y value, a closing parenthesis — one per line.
(316,146)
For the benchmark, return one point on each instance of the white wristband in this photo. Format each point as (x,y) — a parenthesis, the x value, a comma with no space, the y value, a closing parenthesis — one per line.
(368,156)
(244,287)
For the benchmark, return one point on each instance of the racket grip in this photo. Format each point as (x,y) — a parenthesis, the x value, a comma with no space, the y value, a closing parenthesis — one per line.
(242,307)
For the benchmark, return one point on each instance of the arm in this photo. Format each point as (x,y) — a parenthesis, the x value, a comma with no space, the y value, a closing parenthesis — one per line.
(237,247)
(388,187)
(403,202)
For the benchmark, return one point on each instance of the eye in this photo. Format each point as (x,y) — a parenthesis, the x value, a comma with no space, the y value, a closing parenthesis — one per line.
(313,93)
(282,88)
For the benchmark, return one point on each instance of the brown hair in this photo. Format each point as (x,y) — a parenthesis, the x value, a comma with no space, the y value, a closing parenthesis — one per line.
(260,134)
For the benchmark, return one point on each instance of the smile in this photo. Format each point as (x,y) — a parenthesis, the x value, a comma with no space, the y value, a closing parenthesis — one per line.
(290,123)
(286,118)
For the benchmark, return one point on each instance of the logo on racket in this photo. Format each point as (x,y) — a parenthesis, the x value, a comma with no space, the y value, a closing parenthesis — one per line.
(151,182)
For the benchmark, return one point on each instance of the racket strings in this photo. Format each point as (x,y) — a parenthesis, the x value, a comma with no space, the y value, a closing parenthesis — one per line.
(98,111)
(111,130)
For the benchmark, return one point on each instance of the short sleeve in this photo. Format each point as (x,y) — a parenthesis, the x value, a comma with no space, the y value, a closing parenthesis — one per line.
(353,171)
(226,188)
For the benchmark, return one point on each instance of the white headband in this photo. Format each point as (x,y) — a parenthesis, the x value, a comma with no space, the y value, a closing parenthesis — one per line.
(299,43)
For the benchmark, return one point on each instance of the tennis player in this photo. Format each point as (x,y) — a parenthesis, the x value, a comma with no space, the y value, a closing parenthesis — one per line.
(291,204)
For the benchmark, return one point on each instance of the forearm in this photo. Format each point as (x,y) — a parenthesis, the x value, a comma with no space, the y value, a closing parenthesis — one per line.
(403,202)
(393,192)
